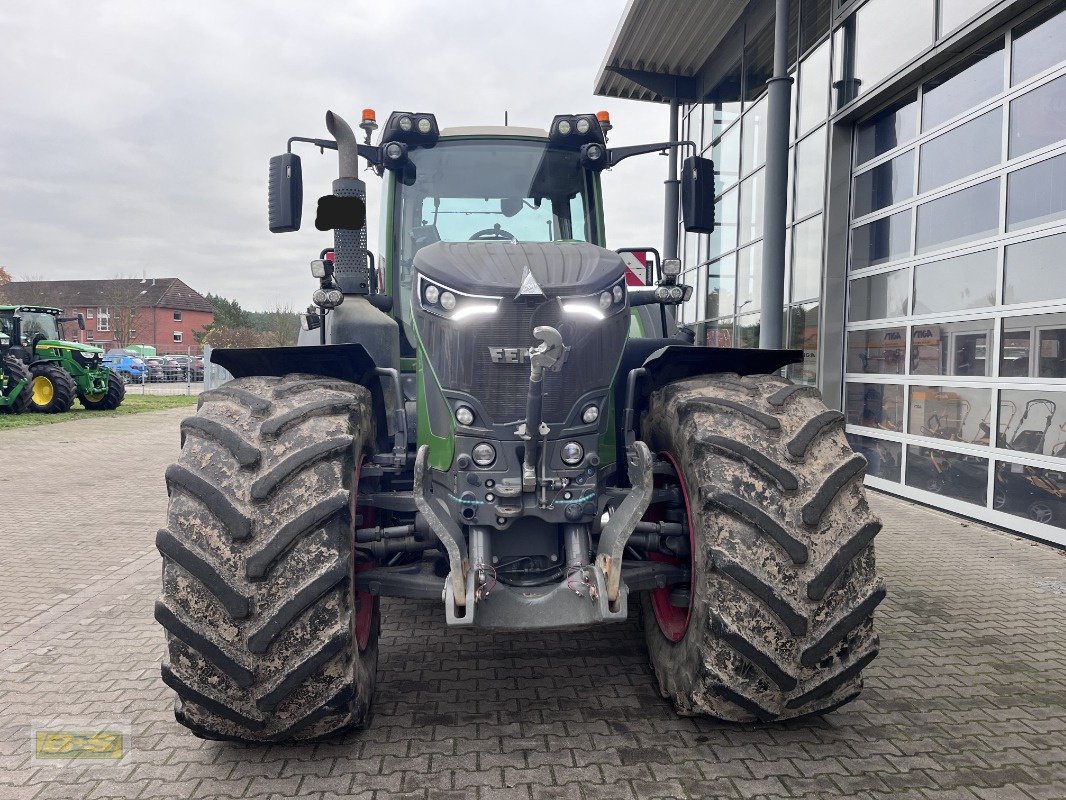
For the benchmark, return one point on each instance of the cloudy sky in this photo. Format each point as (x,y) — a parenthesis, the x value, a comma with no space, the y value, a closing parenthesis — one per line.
(135,136)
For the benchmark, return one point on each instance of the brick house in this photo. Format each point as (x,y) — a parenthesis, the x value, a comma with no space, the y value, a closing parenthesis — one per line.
(164,313)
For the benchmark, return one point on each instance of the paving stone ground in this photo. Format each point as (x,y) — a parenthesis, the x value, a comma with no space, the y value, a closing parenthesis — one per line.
(967,700)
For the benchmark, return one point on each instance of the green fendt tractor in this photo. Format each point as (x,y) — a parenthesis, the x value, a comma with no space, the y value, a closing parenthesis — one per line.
(494,415)
(59,370)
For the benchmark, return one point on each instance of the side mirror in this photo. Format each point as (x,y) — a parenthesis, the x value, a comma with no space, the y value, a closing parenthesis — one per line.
(697,194)
(285,193)
(81,321)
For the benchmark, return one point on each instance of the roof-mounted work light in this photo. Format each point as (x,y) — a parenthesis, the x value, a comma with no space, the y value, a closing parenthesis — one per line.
(413,129)
(574,130)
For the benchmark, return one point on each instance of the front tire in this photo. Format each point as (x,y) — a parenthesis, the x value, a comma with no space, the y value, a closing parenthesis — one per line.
(266,640)
(51,389)
(780,617)
(109,400)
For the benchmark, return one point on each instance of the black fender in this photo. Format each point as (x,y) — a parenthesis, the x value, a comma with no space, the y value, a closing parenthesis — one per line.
(650,364)
(347,362)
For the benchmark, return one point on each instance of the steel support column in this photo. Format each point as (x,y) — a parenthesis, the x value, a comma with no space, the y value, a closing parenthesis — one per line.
(672,190)
(778,113)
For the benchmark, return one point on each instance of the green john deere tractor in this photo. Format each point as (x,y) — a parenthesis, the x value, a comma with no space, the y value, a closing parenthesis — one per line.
(14,379)
(58,370)
(497,416)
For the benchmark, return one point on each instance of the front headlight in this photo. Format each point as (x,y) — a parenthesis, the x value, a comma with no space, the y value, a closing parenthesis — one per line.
(443,301)
(600,305)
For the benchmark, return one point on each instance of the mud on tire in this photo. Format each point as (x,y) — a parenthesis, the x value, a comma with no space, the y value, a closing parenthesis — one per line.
(266,640)
(781,616)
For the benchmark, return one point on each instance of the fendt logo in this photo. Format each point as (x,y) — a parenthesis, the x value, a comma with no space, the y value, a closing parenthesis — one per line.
(509,355)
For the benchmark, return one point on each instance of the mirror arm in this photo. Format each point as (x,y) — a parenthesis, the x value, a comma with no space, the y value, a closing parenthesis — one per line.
(369,152)
(617,154)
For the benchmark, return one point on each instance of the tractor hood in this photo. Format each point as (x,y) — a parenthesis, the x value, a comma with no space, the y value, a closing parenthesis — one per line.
(53,344)
(498,268)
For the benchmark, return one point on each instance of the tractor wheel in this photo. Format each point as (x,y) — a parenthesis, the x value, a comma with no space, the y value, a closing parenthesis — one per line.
(16,370)
(51,389)
(266,638)
(106,401)
(778,620)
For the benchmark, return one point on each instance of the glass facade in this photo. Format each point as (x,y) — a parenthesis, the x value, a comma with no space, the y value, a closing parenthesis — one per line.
(955,328)
(953,319)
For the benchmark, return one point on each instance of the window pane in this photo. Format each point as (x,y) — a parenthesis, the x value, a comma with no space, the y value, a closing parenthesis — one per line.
(884,185)
(958,348)
(724,237)
(1035,493)
(726,156)
(958,218)
(1037,194)
(891,128)
(874,405)
(723,101)
(719,333)
(1037,118)
(880,351)
(1032,422)
(1048,331)
(1034,270)
(810,174)
(695,125)
(879,296)
(807,259)
(758,61)
(1015,350)
(814,22)
(948,474)
(955,413)
(803,335)
(882,39)
(954,284)
(753,142)
(881,241)
(1038,44)
(749,278)
(751,208)
(721,280)
(883,458)
(962,151)
(955,12)
(748,331)
(813,89)
(964,86)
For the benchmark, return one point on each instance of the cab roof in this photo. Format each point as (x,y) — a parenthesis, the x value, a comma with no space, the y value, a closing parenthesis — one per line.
(36,309)
(494,130)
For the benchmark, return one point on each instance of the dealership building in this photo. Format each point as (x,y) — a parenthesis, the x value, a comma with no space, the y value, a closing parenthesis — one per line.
(925,222)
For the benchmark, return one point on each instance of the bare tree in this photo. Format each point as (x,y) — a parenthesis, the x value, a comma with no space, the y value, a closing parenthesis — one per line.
(122,298)
(283,322)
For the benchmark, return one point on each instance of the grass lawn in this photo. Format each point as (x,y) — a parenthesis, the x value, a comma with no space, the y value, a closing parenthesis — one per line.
(133,404)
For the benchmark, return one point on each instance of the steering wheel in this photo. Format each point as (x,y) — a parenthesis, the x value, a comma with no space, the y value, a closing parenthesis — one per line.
(495,233)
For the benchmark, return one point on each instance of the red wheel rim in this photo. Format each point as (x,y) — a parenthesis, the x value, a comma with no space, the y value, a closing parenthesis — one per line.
(673,621)
(364,601)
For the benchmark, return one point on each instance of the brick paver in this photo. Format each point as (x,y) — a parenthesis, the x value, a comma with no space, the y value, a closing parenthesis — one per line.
(967,700)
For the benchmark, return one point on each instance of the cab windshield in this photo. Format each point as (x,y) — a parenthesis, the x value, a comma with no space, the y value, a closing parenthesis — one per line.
(488,190)
(37,323)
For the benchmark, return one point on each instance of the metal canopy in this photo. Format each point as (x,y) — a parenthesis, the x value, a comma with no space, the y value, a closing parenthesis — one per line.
(660,45)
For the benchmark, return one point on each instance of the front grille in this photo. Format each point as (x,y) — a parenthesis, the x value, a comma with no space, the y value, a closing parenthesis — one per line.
(460,356)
